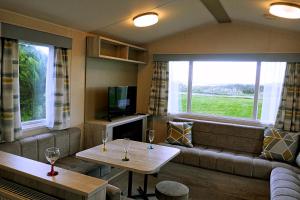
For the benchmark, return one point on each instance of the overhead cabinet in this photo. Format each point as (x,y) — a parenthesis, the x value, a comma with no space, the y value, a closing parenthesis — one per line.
(102,47)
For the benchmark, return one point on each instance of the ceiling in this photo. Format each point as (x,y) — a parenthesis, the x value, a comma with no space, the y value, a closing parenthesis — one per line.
(114,17)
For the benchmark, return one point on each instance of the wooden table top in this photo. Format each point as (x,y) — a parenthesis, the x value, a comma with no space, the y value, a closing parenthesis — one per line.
(66,179)
(142,160)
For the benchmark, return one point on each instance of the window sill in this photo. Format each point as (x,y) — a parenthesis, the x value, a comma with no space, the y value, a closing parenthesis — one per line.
(214,118)
(33,126)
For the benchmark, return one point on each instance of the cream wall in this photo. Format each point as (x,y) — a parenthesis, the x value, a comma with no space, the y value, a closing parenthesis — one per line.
(237,37)
(100,75)
(77,70)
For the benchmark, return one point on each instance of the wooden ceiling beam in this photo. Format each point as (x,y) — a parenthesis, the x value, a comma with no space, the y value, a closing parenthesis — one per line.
(217,10)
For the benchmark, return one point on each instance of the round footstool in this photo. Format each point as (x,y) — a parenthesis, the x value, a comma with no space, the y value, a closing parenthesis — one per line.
(171,190)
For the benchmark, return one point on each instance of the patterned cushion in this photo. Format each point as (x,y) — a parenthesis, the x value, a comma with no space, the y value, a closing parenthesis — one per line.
(180,133)
(279,145)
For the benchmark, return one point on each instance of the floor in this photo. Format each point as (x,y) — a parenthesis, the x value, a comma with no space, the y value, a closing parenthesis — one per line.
(203,184)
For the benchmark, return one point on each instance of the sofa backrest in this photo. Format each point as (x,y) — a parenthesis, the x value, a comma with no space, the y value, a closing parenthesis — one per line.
(33,147)
(228,136)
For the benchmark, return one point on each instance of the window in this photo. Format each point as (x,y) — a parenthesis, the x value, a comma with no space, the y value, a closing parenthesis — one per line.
(33,63)
(249,90)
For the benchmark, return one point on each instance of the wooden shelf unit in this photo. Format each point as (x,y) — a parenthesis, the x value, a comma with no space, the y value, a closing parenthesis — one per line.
(102,47)
(93,128)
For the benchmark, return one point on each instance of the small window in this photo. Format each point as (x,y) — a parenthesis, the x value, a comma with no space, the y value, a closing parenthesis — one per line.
(33,63)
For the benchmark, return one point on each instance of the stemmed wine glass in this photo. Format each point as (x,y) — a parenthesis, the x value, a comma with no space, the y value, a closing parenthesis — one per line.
(104,139)
(151,138)
(126,144)
(52,154)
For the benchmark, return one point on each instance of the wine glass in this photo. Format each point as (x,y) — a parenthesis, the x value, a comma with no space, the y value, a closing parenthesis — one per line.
(104,139)
(126,144)
(52,154)
(151,138)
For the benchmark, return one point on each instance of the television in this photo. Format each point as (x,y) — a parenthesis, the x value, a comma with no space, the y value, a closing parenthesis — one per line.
(121,101)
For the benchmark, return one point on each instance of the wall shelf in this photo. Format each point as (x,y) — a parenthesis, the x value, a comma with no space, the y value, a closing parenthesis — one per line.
(106,48)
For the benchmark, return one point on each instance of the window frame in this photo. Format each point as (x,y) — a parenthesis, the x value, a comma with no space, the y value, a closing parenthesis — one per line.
(239,120)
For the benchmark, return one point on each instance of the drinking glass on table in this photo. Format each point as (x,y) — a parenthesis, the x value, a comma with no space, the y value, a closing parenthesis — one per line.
(126,144)
(52,154)
(104,139)
(151,138)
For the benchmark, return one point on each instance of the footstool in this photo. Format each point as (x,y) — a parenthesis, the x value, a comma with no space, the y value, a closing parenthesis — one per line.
(171,190)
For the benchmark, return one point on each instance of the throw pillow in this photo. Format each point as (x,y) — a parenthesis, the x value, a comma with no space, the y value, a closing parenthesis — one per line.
(280,145)
(180,133)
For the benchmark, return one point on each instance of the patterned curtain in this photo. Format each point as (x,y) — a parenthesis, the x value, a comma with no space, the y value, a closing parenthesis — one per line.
(10,121)
(288,116)
(61,102)
(158,103)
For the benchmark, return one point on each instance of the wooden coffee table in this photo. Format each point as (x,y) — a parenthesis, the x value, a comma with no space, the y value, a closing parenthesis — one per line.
(141,160)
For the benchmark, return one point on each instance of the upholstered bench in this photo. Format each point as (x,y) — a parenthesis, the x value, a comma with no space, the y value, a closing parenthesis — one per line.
(228,148)
(68,141)
(284,184)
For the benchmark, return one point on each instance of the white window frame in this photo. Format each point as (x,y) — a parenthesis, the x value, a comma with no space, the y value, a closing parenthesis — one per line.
(219,118)
(39,123)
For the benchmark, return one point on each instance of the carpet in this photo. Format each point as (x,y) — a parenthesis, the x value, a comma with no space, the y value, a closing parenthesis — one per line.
(203,184)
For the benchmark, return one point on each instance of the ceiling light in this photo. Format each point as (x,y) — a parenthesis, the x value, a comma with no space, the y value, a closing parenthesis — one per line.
(145,19)
(285,10)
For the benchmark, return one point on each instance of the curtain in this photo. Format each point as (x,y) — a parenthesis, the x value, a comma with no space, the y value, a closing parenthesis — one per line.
(158,102)
(178,82)
(272,77)
(58,112)
(10,122)
(288,116)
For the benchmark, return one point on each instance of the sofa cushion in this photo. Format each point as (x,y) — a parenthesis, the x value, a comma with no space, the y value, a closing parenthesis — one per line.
(113,192)
(74,164)
(233,137)
(284,184)
(62,141)
(75,135)
(29,147)
(180,133)
(232,162)
(280,145)
(11,147)
(44,141)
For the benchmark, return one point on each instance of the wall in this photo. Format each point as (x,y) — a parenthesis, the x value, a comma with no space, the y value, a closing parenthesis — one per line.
(100,75)
(77,70)
(237,37)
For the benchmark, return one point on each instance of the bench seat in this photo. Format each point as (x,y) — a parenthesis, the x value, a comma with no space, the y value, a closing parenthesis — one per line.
(284,184)
(228,161)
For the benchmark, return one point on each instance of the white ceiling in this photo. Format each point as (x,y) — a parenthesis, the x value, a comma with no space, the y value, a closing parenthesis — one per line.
(114,17)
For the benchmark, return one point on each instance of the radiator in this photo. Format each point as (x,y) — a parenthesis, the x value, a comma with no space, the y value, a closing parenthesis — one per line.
(13,191)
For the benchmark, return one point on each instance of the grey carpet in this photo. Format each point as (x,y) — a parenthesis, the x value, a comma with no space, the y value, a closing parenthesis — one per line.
(203,184)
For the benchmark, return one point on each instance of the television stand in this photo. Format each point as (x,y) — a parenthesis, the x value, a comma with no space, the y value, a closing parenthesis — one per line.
(93,128)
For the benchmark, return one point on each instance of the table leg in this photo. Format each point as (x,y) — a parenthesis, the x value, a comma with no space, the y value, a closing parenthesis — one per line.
(129,184)
(145,183)
(143,191)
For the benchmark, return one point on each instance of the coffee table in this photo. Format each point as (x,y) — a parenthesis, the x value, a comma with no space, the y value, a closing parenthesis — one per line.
(141,160)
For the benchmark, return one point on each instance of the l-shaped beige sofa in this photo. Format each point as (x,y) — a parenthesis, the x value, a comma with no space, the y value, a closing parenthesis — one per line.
(235,149)
(68,141)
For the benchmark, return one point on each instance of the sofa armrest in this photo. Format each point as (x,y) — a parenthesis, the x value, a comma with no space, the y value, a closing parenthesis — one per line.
(113,192)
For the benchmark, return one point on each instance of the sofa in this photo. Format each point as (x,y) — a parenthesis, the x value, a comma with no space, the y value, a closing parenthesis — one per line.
(68,141)
(235,149)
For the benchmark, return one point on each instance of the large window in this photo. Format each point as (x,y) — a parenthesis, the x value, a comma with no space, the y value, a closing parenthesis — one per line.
(249,90)
(33,63)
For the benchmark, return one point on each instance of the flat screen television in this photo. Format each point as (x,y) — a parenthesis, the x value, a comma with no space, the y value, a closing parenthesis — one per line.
(121,101)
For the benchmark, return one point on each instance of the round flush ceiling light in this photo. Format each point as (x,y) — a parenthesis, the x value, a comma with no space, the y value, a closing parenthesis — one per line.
(285,10)
(145,19)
